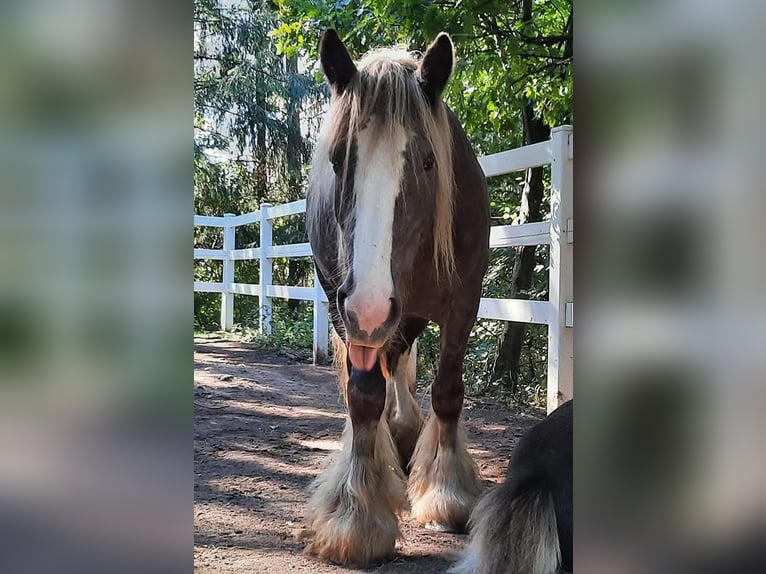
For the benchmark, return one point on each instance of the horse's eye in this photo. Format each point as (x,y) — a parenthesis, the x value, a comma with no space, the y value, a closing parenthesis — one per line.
(428,164)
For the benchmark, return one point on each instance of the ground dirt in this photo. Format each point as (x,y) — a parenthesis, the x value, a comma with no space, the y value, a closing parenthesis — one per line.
(264,426)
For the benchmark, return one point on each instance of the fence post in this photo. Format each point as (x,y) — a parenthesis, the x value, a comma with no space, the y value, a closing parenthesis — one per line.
(321,327)
(227,297)
(560,337)
(265,264)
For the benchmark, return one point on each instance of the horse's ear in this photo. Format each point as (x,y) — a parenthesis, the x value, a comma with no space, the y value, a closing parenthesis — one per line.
(436,67)
(336,61)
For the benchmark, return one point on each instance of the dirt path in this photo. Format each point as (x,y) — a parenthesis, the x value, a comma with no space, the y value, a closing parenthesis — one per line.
(264,425)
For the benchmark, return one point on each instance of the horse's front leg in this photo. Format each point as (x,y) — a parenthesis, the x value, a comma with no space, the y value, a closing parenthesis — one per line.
(352,511)
(444,483)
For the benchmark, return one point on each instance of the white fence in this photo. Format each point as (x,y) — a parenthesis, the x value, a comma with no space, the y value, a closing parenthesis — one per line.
(558,232)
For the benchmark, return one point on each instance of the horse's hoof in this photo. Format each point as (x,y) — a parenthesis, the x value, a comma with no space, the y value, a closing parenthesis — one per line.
(444,527)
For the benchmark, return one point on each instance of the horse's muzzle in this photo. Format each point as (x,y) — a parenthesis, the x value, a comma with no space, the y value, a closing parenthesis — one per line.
(369,324)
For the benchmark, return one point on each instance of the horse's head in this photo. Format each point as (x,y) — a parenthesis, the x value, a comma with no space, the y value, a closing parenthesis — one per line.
(388,144)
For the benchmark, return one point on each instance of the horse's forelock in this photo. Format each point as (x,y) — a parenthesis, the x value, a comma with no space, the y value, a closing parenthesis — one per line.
(386,91)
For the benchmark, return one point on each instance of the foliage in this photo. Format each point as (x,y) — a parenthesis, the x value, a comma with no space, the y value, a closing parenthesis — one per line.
(292,329)
(501,61)
(251,142)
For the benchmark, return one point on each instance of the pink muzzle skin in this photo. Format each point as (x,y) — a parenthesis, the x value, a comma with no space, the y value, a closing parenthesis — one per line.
(362,358)
(370,312)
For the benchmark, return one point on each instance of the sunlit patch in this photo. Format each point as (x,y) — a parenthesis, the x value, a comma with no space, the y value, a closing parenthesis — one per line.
(283,411)
(267,463)
(488,427)
(207,382)
(320,444)
(480,452)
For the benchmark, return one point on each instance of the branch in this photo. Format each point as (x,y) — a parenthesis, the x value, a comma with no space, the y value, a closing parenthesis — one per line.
(544,40)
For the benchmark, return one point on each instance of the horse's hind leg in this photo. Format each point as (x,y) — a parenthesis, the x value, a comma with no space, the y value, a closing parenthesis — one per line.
(444,481)
(402,410)
(352,511)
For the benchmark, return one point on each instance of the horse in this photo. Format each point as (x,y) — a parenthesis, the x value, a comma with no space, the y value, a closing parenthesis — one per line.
(398,221)
(524,526)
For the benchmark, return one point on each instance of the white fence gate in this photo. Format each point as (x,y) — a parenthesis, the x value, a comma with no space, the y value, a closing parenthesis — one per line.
(558,232)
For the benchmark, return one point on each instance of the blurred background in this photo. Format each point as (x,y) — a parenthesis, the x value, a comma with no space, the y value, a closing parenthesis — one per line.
(671,340)
(95,298)
(96,305)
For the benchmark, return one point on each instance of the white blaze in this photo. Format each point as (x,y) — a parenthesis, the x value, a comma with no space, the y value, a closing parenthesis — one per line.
(377,184)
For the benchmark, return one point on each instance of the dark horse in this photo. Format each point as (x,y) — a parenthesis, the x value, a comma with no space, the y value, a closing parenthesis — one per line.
(524,526)
(398,219)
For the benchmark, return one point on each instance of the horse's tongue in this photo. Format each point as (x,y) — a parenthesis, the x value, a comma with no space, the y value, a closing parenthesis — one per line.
(362,358)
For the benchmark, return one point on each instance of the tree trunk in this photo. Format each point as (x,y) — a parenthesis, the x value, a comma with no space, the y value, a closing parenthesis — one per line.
(506,366)
(261,168)
(294,152)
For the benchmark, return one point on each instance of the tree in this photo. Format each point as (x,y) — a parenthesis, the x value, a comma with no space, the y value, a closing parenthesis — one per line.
(506,365)
(251,143)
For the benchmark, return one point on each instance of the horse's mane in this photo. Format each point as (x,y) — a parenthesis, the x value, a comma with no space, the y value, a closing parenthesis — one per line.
(386,90)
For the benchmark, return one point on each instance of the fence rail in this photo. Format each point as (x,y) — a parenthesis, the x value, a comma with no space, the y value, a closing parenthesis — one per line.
(557,313)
